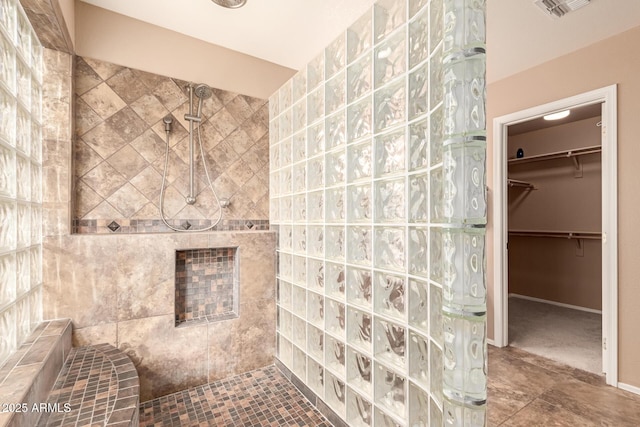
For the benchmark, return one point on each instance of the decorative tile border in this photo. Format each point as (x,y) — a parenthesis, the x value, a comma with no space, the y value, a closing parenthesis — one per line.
(133,226)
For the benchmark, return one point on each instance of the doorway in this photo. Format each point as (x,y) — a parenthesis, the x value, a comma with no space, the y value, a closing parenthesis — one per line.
(607,98)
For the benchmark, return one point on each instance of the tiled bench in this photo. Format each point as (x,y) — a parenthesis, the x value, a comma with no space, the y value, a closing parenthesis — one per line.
(96,385)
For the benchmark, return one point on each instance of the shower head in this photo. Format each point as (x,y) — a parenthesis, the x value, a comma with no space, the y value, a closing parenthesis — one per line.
(203,91)
(230,4)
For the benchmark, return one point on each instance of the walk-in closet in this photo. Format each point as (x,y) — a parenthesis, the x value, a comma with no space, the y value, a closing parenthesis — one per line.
(555,237)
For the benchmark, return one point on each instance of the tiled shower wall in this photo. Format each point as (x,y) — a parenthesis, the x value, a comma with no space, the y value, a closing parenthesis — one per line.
(378,195)
(120,153)
(20,178)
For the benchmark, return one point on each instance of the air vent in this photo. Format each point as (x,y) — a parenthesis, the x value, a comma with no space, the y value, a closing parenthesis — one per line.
(559,8)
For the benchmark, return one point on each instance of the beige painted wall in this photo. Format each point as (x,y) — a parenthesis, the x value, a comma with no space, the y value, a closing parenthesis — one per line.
(608,62)
(115,38)
(67,7)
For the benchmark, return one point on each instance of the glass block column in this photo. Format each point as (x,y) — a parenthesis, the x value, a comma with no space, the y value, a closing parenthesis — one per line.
(20,178)
(377,192)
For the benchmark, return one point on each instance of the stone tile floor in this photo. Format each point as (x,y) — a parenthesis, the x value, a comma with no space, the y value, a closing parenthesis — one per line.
(526,390)
(263,397)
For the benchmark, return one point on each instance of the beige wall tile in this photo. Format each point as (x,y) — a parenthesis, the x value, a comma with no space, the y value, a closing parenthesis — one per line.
(103,100)
(127,85)
(91,335)
(127,200)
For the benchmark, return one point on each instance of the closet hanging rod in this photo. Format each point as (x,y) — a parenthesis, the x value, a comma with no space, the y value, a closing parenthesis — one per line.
(558,155)
(589,235)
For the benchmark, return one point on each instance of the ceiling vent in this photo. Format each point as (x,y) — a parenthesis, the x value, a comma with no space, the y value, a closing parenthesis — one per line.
(559,8)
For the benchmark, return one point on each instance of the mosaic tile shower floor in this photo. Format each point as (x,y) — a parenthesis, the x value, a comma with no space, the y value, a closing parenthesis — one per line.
(263,397)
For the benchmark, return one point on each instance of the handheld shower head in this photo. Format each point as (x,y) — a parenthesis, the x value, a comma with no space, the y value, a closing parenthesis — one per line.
(203,91)
(231,4)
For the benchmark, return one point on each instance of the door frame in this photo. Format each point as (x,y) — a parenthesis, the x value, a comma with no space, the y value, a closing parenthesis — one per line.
(608,97)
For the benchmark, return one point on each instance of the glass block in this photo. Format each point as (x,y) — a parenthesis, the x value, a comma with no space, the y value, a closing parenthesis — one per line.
(419,359)
(465,368)
(416,6)
(419,38)
(7,172)
(274,105)
(36,220)
(299,275)
(418,258)
(390,206)
(36,59)
(286,268)
(23,131)
(436,365)
(7,278)
(335,56)
(460,415)
(335,93)
(315,377)
(23,178)
(315,342)
(336,168)
(389,343)
(286,129)
(390,152)
(285,323)
(359,410)
(23,39)
(360,161)
(436,86)
(315,105)
(389,59)
(23,83)
(23,272)
(274,156)
(390,105)
(8,65)
(359,287)
(274,136)
(8,225)
(388,15)
(7,333)
(8,22)
(299,364)
(463,283)
(284,294)
(436,188)
(390,390)
(286,180)
(418,144)
(360,203)
(390,248)
(315,206)
(436,135)
(334,246)
(419,91)
(360,36)
(315,309)
(274,209)
(435,314)
(297,238)
(315,274)
(359,331)
(336,130)
(359,78)
(335,205)
(299,85)
(436,19)
(464,26)
(335,279)
(336,316)
(285,350)
(315,173)
(36,142)
(299,177)
(24,225)
(36,101)
(359,119)
(299,146)
(315,139)
(285,96)
(335,356)
(359,373)
(419,305)
(464,98)
(35,265)
(418,407)
(299,116)
(35,306)
(299,207)
(389,296)
(383,419)
(315,241)
(285,237)
(315,72)
(359,245)
(7,117)
(418,202)
(298,330)
(334,394)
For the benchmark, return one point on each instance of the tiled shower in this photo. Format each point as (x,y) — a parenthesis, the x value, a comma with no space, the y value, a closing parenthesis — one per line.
(377,190)
(20,179)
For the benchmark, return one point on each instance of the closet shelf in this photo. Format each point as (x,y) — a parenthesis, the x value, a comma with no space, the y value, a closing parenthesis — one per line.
(518,183)
(558,155)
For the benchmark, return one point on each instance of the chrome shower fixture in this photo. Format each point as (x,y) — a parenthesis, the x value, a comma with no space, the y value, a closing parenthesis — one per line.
(203,91)
(230,4)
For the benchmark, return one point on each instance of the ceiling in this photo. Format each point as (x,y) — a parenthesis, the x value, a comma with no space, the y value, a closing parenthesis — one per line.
(291,32)
(575,114)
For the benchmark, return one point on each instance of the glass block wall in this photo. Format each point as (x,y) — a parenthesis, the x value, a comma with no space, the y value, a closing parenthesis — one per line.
(20,178)
(377,189)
